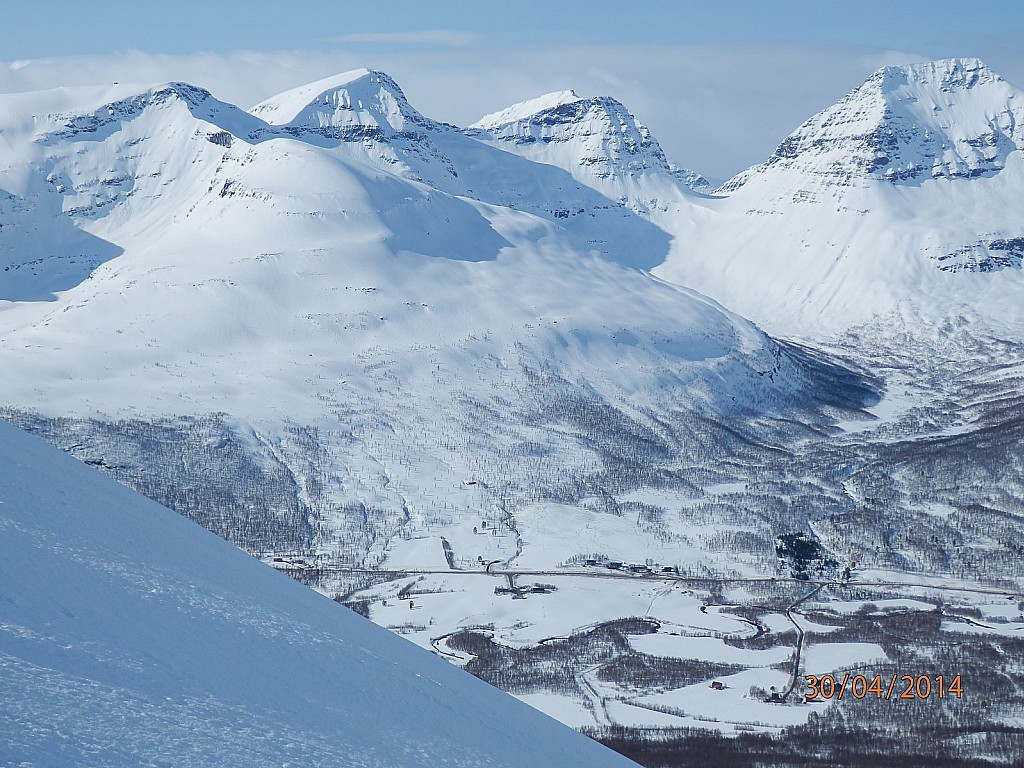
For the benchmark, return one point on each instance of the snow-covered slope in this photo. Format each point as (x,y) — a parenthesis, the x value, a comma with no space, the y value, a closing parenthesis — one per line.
(273,242)
(78,163)
(351,338)
(902,202)
(364,116)
(599,142)
(419,325)
(131,636)
(361,100)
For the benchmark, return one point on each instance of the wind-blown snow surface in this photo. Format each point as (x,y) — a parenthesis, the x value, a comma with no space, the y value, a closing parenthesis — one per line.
(130,636)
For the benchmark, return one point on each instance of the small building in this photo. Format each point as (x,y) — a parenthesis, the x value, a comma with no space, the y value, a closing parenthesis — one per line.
(774,697)
(718,685)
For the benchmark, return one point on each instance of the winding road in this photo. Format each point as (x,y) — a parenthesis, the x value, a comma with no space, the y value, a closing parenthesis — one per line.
(799,639)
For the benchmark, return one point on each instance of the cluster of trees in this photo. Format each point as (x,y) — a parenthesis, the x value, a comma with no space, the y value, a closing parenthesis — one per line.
(980,728)
(642,672)
(808,747)
(552,665)
(197,466)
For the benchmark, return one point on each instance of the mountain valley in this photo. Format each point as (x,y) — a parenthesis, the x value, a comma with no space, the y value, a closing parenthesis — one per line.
(548,405)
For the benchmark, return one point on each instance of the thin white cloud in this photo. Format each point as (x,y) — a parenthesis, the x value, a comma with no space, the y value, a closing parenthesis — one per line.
(452,38)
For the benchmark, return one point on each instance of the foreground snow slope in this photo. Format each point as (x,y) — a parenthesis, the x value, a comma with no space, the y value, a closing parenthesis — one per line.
(131,636)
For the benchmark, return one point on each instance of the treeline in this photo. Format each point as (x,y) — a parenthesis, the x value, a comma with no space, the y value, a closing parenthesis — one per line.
(806,748)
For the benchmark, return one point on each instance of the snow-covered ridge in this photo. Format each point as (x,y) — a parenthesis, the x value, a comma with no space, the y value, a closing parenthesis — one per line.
(84,124)
(901,201)
(365,107)
(151,135)
(944,119)
(525,110)
(126,109)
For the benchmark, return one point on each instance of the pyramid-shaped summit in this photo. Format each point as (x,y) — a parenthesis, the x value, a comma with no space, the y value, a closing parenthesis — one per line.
(950,119)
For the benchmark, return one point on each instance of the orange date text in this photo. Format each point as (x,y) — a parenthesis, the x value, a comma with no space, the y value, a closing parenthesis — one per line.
(835,688)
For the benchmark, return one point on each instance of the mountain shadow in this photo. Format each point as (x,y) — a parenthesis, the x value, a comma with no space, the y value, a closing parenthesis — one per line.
(42,252)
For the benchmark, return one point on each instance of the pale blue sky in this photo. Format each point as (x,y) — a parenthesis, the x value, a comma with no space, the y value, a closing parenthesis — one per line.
(720,82)
(54,27)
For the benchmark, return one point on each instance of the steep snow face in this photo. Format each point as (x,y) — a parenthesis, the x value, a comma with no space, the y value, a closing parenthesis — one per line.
(526,110)
(944,119)
(363,115)
(898,207)
(123,157)
(77,165)
(131,635)
(106,154)
(597,140)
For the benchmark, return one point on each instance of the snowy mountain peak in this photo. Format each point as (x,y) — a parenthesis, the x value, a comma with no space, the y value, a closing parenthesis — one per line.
(367,113)
(900,202)
(601,133)
(599,142)
(944,119)
(360,102)
(190,94)
(122,108)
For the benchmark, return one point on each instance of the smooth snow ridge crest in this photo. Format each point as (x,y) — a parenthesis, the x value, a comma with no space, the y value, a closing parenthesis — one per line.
(526,109)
